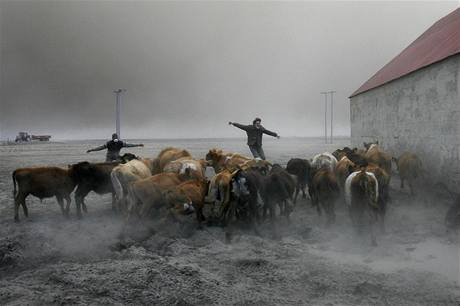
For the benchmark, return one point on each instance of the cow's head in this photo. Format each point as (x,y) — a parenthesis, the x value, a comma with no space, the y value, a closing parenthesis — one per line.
(79,170)
(213,157)
(338,154)
(179,201)
(127,157)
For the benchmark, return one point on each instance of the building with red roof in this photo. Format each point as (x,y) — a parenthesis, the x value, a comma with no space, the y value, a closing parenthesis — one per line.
(413,102)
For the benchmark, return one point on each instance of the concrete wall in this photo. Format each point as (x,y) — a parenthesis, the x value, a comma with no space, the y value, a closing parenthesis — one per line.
(419,112)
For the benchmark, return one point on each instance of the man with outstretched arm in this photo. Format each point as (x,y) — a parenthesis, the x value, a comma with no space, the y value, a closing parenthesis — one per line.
(113,148)
(254,132)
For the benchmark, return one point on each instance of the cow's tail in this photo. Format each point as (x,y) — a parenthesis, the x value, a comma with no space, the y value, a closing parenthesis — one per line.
(421,171)
(117,187)
(14,183)
(130,203)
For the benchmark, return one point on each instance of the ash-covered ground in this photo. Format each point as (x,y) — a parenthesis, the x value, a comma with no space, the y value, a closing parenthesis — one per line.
(47,259)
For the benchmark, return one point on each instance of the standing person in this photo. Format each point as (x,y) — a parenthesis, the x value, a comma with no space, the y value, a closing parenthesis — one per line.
(113,148)
(254,133)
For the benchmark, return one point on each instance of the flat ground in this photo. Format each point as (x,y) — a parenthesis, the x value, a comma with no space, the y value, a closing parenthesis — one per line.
(48,259)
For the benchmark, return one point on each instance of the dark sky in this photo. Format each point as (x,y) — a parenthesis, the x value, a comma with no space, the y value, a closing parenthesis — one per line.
(190,67)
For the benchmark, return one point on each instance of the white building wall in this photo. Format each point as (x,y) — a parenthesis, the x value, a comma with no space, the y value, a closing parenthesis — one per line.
(419,112)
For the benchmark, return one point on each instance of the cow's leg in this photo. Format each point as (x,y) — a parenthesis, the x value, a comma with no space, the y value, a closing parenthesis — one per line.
(253,214)
(68,200)
(199,215)
(381,217)
(115,207)
(61,204)
(288,207)
(19,199)
(330,213)
(80,195)
(302,187)
(282,208)
(411,187)
(83,205)
(318,207)
(372,218)
(312,196)
(265,208)
(271,208)
(16,209)
(24,207)
(297,189)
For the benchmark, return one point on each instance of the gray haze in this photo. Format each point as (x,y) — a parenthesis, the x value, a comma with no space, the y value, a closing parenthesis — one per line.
(190,67)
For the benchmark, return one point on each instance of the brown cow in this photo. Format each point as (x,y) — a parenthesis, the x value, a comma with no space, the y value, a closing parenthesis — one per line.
(145,194)
(324,192)
(261,165)
(188,197)
(221,160)
(355,155)
(410,168)
(343,169)
(362,196)
(169,154)
(383,180)
(219,190)
(43,182)
(196,168)
(375,155)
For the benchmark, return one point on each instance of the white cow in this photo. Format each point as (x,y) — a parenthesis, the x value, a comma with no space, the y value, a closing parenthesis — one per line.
(324,160)
(125,174)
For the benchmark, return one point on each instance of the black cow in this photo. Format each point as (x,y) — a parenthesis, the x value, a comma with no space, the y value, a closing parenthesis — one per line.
(279,187)
(245,200)
(301,169)
(95,177)
(92,177)
(246,187)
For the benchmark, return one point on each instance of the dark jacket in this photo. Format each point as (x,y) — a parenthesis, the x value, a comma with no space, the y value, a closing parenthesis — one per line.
(113,148)
(254,134)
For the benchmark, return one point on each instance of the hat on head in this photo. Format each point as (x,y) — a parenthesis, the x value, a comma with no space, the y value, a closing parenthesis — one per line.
(114,136)
(255,120)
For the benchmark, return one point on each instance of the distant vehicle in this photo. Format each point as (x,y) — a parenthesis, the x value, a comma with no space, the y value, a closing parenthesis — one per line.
(25,137)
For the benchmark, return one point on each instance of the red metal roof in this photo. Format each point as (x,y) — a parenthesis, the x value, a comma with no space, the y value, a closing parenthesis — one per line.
(440,41)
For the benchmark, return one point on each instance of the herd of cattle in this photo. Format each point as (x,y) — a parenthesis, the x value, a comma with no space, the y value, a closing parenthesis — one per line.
(242,189)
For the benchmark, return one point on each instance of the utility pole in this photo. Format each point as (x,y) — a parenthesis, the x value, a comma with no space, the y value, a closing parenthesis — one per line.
(118,93)
(325,115)
(325,93)
(332,110)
